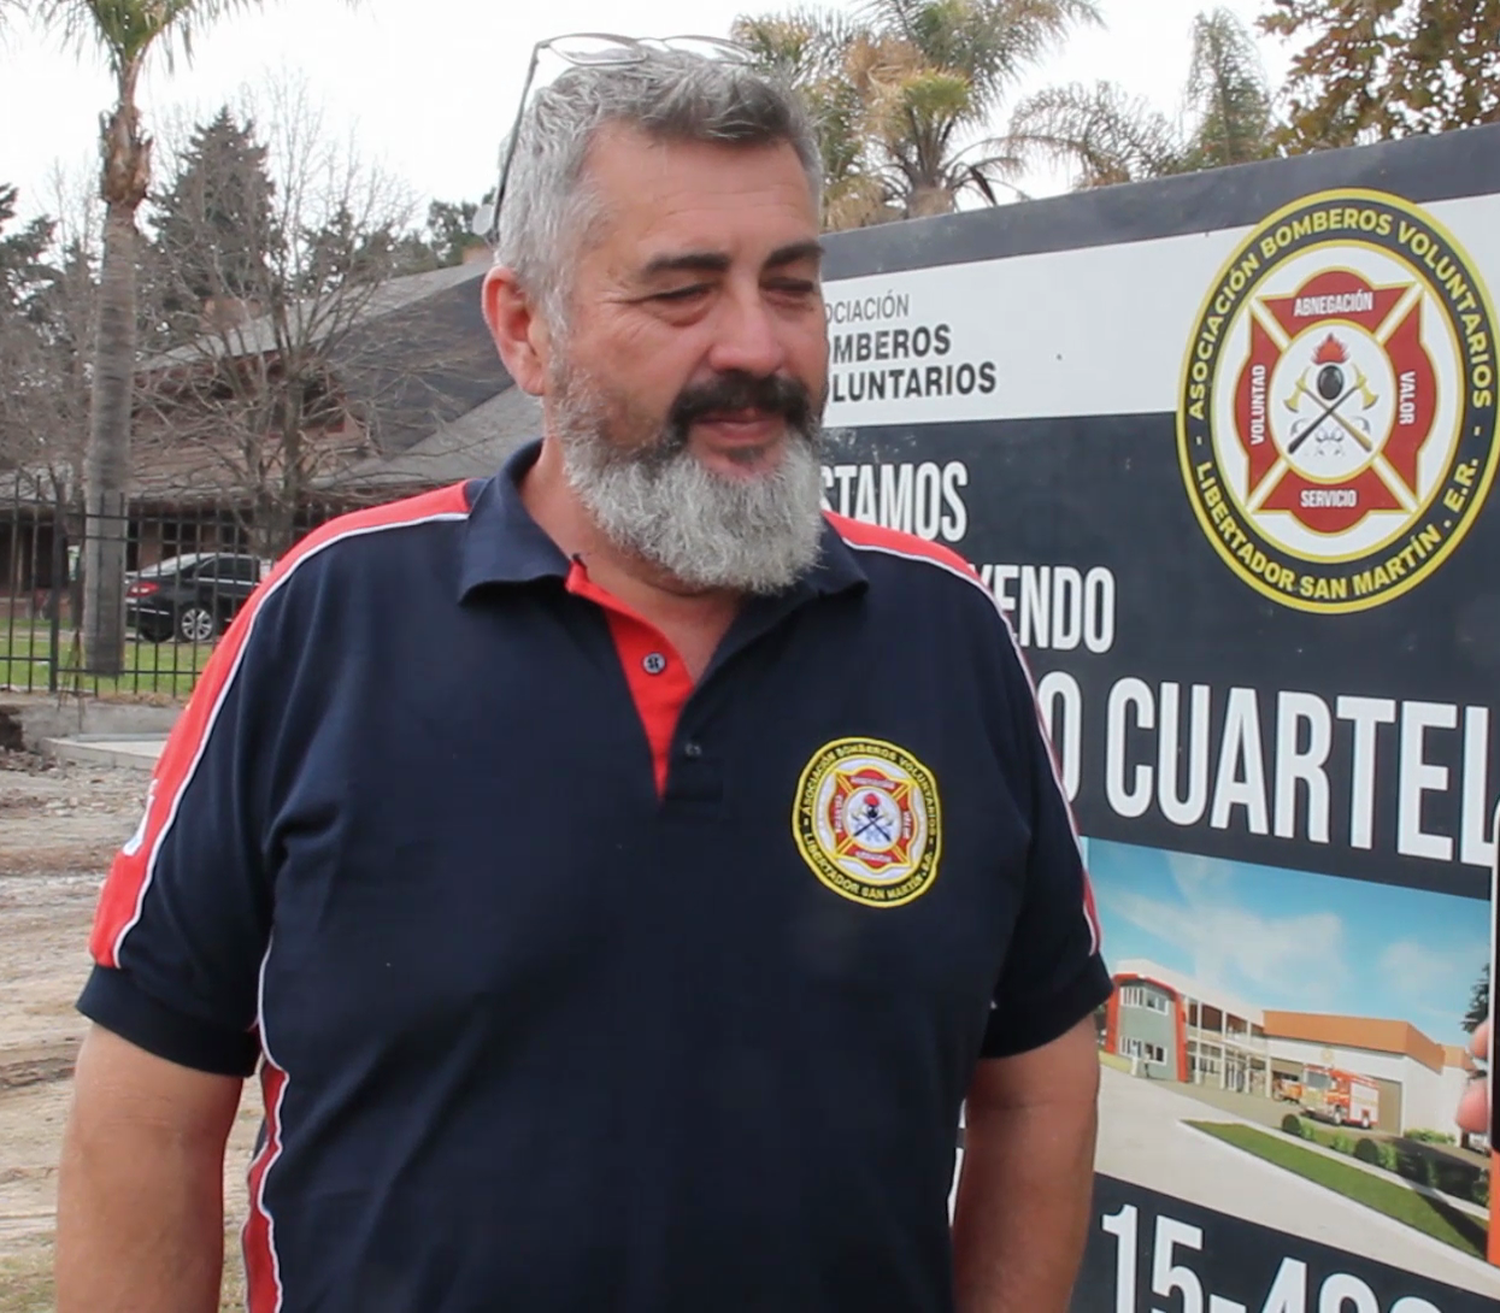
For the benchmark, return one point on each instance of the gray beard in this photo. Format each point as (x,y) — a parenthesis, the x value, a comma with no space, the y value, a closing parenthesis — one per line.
(657,502)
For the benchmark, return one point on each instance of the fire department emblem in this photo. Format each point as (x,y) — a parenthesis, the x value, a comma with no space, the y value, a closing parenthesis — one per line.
(866,820)
(1337,420)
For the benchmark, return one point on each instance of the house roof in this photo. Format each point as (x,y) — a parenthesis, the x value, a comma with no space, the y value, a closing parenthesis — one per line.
(197,470)
(423,361)
(472,446)
(258,335)
(1374,1034)
(419,369)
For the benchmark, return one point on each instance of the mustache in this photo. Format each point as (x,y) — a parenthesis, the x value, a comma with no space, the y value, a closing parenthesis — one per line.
(737,391)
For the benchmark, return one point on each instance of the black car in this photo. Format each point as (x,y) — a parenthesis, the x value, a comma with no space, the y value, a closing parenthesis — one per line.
(192,598)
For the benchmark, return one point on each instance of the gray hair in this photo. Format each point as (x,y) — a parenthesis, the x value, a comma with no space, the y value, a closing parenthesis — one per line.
(670,95)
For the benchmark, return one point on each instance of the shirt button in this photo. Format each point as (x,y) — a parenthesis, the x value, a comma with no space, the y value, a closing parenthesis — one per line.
(654,664)
(693,750)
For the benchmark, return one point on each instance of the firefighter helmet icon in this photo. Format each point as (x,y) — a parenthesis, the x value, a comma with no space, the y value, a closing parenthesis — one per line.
(875,820)
(1337,422)
(1337,427)
(1330,378)
(866,820)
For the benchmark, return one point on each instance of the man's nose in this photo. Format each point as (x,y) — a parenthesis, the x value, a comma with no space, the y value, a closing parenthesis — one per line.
(746,337)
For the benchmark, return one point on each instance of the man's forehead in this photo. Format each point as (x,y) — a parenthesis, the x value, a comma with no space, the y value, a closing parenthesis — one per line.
(666,197)
(631,146)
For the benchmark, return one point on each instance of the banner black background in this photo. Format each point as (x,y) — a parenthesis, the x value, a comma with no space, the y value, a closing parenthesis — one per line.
(1107,491)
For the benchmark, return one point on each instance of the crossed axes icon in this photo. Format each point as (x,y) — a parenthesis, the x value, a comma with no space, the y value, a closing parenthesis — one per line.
(873,821)
(1330,411)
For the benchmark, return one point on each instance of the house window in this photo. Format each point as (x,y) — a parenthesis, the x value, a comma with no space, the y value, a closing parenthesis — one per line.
(1139,1048)
(1138,996)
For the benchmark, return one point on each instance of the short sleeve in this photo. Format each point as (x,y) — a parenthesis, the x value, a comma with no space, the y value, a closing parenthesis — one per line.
(184,917)
(1054,973)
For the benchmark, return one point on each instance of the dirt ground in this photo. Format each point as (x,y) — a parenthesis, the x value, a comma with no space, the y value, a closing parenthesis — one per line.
(59,827)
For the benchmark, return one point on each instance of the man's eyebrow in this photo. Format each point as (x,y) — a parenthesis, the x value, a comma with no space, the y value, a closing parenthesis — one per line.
(795,254)
(697,262)
(718,262)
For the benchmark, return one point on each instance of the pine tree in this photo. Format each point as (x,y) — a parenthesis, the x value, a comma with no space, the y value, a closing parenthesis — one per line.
(347,249)
(24,273)
(46,300)
(214,228)
(450,230)
(446,240)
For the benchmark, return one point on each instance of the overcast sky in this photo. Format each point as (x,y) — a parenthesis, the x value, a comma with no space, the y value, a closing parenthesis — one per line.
(429,86)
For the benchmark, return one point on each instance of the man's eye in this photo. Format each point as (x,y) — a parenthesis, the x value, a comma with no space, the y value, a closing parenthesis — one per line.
(682,293)
(794,286)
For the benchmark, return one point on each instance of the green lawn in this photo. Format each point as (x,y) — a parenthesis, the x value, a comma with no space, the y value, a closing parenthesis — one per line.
(151,669)
(26,1282)
(1430,1216)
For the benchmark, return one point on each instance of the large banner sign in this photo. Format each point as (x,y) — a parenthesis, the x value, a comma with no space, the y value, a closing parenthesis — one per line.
(1224,448)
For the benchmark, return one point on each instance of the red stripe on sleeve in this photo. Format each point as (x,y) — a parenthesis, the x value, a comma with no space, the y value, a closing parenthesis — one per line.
(262,1273)
(129,877)
(120,900)
(858,533)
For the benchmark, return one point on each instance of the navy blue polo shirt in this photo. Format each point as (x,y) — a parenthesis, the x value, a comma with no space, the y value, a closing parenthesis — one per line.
(575,985)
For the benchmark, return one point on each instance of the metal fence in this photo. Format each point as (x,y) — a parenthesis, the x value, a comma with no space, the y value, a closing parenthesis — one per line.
(190,565)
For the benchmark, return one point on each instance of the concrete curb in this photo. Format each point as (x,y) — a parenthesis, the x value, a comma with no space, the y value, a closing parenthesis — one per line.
(34,717)
(117,751)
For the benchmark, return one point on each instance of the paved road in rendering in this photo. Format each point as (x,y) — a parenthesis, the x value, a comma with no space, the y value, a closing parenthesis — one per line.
(1142,1139)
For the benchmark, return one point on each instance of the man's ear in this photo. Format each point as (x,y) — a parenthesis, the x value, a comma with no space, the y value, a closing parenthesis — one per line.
(519,330)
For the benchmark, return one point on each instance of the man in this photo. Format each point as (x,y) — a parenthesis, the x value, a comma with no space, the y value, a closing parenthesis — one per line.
(621,873)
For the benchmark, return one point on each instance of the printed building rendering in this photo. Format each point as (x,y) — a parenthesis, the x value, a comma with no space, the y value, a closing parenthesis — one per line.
(1367,1072)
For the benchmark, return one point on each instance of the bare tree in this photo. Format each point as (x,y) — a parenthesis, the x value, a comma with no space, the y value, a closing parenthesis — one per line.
(71,318)
(24,276)
(127,33)
(47,321)
(47,325)
(274,394)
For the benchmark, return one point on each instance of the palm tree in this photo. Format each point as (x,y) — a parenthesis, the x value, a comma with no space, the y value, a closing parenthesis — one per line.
(127,32)
(832,61)
(903,91)
(1099,131)
(1228,94)
(1107,136)
(966,55)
